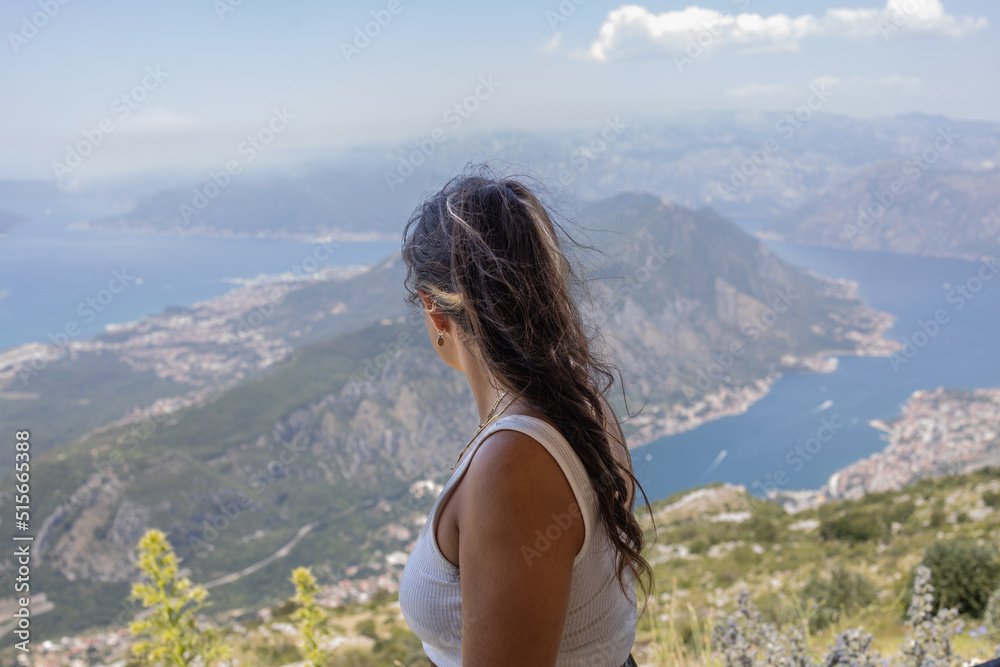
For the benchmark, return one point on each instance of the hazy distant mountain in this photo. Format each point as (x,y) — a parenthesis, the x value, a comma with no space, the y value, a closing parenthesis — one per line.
(315,204)
(327,441)
(743,164)
(686,158)
(898,207)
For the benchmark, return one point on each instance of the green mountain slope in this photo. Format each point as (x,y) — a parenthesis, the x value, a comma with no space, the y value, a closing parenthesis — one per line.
(235,479)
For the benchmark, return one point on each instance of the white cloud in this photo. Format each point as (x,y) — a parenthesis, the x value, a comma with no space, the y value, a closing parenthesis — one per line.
(632,30)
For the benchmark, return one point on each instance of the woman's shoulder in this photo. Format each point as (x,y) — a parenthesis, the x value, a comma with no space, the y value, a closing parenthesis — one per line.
(515,458)
(514,485)
(524,428)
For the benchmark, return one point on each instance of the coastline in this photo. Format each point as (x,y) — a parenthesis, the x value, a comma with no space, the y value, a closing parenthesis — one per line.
(210,347)
(766,235)
(731,401)
(939,431)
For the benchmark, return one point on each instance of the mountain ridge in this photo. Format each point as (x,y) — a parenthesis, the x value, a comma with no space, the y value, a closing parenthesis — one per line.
(901,208)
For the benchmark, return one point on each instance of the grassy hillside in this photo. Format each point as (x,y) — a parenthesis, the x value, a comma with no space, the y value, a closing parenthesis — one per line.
(844,565)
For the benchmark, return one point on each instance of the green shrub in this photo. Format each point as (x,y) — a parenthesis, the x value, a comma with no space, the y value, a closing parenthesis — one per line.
(309,617)
(991,618)
(963,574)
(938,515)
(284,610)
(900,511)
(775,608)
(842,594)
(366,628)
(699,545)
(763,528)
(687,531)
(991,498)
(853,525)
(727,575)
(169,632)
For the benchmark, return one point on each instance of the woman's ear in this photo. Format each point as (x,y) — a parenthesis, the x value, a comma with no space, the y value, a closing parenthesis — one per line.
(438,319)
(427,301)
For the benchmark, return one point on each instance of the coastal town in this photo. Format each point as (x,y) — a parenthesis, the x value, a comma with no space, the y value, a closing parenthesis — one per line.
(941,431)
(208,347)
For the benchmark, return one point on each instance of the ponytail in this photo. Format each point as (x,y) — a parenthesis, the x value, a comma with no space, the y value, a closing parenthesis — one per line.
(490,257)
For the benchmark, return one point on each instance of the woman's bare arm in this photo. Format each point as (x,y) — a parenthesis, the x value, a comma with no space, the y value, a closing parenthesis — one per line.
(515,579)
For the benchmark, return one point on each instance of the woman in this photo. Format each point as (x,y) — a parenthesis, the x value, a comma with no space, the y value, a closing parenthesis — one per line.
(537,515)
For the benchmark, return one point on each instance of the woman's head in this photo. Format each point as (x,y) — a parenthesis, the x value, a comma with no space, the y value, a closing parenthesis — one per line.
(485,254)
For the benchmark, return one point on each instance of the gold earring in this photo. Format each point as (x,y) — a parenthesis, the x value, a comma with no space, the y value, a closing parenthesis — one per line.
(440,340)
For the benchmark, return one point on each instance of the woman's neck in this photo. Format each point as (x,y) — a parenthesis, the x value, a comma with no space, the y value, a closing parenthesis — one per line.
(487,393)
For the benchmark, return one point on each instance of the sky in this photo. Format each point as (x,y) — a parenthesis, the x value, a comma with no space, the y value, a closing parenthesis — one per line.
(183,85)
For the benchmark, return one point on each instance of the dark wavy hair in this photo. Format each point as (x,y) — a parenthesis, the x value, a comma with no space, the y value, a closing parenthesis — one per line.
(490,257)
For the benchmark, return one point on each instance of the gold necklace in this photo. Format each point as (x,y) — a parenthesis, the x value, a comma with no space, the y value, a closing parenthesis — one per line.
(489,418)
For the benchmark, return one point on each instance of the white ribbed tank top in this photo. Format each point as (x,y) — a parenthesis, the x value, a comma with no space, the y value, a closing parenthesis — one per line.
(600,622)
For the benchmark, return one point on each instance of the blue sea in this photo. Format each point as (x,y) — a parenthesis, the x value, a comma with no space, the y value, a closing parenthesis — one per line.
(52,277)
(771,436)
